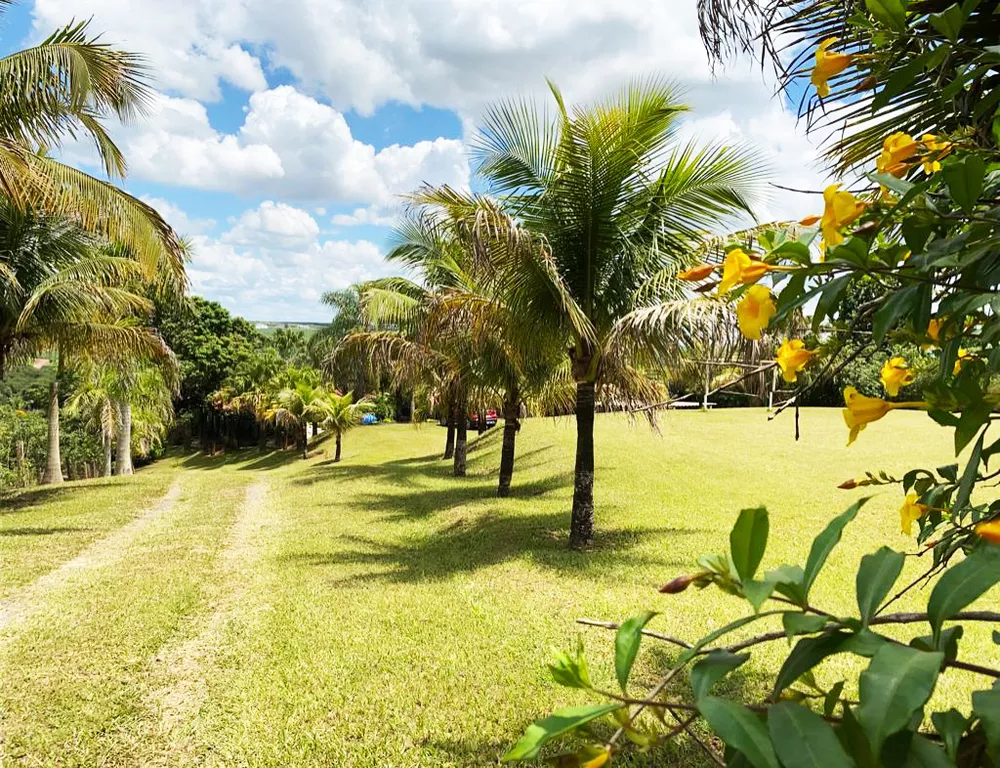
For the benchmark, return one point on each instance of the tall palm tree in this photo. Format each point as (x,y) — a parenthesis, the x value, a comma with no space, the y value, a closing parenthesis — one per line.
(343,415)
(616,199)
(66,87)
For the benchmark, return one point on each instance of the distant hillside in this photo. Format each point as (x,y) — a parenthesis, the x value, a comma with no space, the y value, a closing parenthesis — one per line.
(268,327)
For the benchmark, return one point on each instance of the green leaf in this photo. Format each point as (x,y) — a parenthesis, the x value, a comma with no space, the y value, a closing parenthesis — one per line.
(963,583)
(876,575)
(949,22)
(950,726)
(832,698)
(965,181)
(854,740)
(748,540)
(803,740)
(571,670)
(892,13)
(986,704)
(796,623)
(627,641)
(972,418)
(788,580)
(899,304)
(757,592)
(807,653)
(823,544)
(969,475)
(741,729)
(924,753)
(947,643)
(865,643)
(555,725)
(896,684)
(713,668)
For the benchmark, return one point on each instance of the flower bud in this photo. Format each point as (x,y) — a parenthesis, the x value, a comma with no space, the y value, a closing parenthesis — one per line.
(848,484)
(679,584)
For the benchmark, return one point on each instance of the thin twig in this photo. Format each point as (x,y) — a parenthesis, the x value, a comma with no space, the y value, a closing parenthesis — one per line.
(612,625)
(697,740)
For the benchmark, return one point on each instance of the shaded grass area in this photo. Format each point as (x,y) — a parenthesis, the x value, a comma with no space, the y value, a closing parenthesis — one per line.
(43,527)
(400,616)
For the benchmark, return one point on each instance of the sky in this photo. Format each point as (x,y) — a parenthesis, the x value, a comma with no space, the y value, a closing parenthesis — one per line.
(282,134)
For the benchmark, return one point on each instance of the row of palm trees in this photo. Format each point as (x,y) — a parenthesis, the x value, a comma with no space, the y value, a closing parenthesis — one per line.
(558,286)
(79,257)
(289,398)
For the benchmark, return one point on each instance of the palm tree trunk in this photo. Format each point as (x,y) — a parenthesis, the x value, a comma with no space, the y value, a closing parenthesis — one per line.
(581,532)
(53,465)
(461,439)
(124,451)
(304,440)
(106,445)
(511,426)
(449,441)
(480,422)
(336,455)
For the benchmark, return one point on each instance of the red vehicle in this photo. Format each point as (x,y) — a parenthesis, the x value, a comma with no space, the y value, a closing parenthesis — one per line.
(489,419)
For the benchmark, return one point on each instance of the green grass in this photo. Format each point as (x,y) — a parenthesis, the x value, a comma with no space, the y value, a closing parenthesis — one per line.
(382,613)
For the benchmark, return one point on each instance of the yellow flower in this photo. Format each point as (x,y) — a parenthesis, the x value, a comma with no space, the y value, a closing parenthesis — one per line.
(963,355)
(989,531)
(862,411)
(910,512)
(755,310)
(895,375)
(740,268)
(841,209)
(695,274)
(792,358)
(896,150)
(828,64)
(935,151)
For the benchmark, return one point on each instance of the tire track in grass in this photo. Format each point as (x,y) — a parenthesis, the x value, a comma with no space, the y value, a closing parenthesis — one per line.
(28,600)
(188,664)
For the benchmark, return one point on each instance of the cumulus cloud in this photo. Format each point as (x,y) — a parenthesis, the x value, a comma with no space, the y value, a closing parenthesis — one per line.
(274,225)
(274,264)
(182,223)
(296,149)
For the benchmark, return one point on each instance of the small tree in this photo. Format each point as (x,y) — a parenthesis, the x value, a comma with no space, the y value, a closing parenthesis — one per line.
(343,415)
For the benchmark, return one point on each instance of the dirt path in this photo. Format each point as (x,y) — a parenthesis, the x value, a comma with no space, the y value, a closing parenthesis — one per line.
(185,664)
(30,599)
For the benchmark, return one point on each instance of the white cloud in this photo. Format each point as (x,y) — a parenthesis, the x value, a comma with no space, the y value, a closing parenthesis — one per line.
(182,223)
(274,264)
(372,216)
(296,149)
(192,45)
(274,225)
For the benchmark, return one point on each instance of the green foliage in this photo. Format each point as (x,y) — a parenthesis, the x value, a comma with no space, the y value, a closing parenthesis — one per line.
(209,344)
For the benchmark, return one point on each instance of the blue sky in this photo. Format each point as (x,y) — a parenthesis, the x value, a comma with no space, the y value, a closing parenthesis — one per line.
(283,134)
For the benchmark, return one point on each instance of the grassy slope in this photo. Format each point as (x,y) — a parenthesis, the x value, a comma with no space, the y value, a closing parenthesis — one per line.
(398,616)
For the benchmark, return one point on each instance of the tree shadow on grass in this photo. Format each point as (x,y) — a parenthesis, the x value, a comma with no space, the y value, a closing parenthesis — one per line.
(250,459)
(468,545)
(20,501)
(41,531)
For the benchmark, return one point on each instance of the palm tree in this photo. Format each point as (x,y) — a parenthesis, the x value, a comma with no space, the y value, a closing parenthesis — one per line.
(67,86)
(343,415)
(59,291)
(616,200)
(128,401)
(476,252)
(299,402)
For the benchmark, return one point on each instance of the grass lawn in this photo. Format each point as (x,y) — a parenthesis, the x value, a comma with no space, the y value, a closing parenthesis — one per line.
(380,613)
